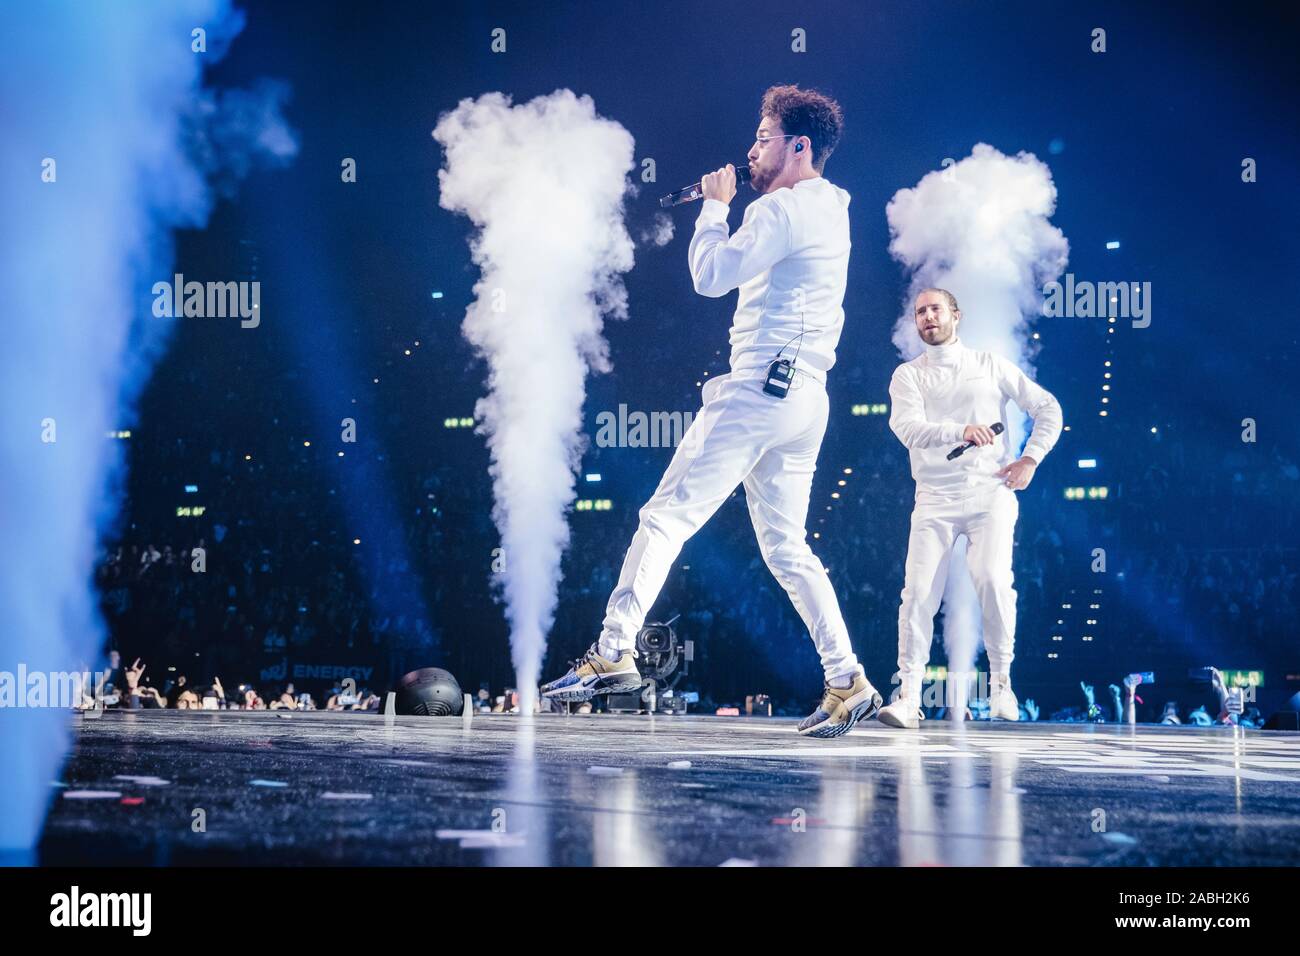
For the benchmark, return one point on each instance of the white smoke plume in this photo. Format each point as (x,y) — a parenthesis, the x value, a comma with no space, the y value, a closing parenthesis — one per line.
(544,182)
(102,105)
(660,233)
(980,230)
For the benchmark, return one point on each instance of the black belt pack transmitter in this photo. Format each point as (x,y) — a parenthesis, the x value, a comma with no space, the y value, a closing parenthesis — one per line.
(779,376)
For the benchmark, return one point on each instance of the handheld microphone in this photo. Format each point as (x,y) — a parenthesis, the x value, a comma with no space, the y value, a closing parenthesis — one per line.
(996,428)
(691,193)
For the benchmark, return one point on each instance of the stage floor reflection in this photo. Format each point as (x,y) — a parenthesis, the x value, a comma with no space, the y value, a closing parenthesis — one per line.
(266,788)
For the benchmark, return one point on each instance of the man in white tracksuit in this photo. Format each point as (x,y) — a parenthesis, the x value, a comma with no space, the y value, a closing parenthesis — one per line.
(789,259)
(946,397)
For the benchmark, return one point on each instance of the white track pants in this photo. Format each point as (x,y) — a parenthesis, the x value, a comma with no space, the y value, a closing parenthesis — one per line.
(988,519)
(741,434)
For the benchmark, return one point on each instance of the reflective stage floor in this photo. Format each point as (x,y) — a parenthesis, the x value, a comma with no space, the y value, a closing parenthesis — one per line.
(267,788)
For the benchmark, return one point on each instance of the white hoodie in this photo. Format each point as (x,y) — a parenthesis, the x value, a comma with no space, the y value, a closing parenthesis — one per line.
(937,394)
(790,259)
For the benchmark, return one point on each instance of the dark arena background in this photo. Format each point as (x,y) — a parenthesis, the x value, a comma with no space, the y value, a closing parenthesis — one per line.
(463,346)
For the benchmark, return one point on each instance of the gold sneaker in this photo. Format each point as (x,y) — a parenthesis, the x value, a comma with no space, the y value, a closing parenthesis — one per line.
(592,674)
(841,709)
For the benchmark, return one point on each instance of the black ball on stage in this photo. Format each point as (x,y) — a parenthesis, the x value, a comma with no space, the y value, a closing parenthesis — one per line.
(429,692)
(1287,717)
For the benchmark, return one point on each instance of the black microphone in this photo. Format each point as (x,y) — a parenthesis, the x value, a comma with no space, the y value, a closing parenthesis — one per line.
(996,428)
(694,192)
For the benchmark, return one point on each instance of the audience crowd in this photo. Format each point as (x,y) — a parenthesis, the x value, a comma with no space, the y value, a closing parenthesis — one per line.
(283,575)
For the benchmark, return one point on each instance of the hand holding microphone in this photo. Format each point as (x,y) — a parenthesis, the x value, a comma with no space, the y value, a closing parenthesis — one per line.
(720,185)
(976,435)
(696,191)
(1016,475)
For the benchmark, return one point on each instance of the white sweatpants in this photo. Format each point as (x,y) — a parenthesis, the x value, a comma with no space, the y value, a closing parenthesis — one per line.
(741,434)
(988,519)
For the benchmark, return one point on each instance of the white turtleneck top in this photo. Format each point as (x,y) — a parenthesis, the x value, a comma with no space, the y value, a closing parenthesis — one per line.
(937,394)
(790,260)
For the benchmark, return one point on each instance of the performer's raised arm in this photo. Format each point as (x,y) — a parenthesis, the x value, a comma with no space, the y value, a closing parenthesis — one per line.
(720,264)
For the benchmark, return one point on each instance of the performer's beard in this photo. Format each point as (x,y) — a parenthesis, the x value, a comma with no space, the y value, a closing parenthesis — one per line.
(940,336)
(761,179)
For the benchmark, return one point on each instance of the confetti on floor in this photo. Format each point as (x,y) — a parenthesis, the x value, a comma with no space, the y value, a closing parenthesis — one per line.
(92,795)
(143,781)
(482,839)
(883,795)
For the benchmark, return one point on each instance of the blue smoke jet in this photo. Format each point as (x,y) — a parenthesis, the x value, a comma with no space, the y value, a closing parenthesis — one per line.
(111,142)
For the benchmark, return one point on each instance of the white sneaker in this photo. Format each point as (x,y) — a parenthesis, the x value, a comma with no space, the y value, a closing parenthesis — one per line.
(904,712)
(1002,702)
